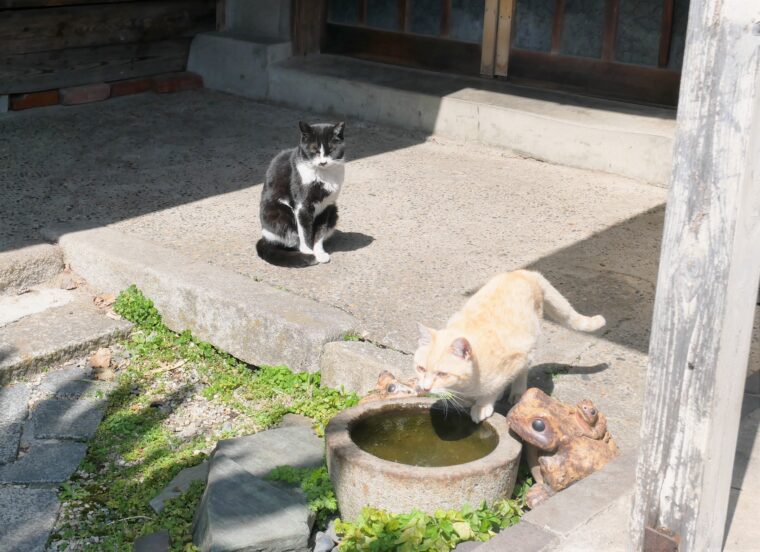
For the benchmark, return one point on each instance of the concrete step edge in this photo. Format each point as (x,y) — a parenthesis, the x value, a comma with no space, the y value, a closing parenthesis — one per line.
(252,321)
(28,266)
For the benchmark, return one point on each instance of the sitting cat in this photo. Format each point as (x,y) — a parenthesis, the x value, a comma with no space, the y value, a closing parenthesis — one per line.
(488,345)
(297,210)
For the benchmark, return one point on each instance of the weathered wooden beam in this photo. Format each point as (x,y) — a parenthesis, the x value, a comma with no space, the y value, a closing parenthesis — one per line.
(707,284)
(488,43)
(504,36)
(309,17)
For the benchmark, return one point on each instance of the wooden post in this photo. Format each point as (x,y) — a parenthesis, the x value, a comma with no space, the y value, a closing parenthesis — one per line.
(706,287)
(504,36)
(488,44)
(221,15)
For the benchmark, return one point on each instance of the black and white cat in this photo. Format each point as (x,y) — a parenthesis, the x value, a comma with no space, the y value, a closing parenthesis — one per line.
(298,211)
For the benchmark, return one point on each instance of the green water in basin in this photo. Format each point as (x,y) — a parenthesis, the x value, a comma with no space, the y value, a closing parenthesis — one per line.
(424,437)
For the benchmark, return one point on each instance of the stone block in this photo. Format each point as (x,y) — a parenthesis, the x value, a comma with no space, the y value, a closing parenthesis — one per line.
(34,99)
(67,419)
(179,485)
(87,93)
(26,518)
(44,463)
(177,82)
(355,365)
(524,537)
(234,62)
(260,453)
(242,512)
(28,266)
(250,320)
(70,383)
(10,435)
(14,402)
(159,541)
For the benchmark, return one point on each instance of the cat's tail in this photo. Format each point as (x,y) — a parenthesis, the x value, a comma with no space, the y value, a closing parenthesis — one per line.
(279,256)
(560,309)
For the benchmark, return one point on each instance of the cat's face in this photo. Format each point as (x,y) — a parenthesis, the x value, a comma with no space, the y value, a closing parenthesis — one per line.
(322,144)
(443,362)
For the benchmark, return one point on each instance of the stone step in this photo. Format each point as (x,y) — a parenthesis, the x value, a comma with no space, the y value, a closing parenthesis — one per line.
(32,343)
(355,365)
(252,321)
(241,510)
(28,266)
(633,141)
(236,62)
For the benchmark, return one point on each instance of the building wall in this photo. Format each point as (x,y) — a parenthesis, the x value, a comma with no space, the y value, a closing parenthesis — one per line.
(47,44)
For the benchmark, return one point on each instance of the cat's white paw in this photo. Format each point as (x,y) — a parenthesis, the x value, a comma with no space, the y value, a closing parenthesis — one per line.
(478,413)
(305,250)
(322,256)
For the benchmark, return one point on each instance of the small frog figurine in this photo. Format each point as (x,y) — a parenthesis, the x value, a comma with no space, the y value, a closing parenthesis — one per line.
(389,387)
(562,443)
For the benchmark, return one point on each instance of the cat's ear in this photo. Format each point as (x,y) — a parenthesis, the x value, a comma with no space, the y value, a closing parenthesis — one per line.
(338,130)
(461,348)
(426,335)
(306,129)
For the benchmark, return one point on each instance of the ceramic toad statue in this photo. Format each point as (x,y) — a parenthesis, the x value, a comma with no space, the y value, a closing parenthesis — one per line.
(562,443)
(389,387)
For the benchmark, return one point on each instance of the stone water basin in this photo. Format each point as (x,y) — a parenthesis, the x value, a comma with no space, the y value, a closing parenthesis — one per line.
(406,454)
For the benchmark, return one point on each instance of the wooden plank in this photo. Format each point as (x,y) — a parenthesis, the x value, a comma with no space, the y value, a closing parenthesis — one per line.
(558,24)
(488,44)
(403,49)
(445,18)
(309,17)
(10,4)
(611,16)
(39,30)
(403,15)
(706,287)
(614,80)
(666,32)
(221,15)
(362,10)
(75,66)
(504,37)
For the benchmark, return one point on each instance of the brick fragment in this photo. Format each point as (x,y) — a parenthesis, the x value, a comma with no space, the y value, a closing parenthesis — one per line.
(87,93)
(34,99)
(177,82)
(131,86)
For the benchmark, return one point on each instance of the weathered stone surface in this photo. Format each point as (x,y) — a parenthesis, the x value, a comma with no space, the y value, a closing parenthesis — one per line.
(524,537)
(44,463)
(180,484)
(53,336)
(155,542)
(14,401)
(28,266)
(259,454)
(16,307)
(241,512)
(26,517)
(10,435)
(323,542)
(297,420)
(466,546)
(355,365)
(70,382)
(252,321)
(67,419)
(573,507)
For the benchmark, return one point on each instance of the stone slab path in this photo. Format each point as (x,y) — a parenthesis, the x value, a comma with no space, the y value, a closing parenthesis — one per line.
(44,425)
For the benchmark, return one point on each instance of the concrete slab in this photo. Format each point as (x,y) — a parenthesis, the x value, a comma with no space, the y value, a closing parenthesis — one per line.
(179,484)
(28,266)
(355,365)
(14,400)
(235,61)
(591,134)
(16,307)
(26,518)
(55,335)
(10,435)
(49,462)
(252,321)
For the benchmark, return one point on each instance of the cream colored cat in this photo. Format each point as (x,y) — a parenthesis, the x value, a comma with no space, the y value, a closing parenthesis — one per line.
(488,344)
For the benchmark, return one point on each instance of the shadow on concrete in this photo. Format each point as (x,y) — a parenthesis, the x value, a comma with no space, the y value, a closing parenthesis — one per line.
(98,164)
(613,273)
(348,241)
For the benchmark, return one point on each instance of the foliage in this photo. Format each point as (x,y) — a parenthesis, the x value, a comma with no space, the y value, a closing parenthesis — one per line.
(352,336)
(315,484)
(135,453)
(377,530)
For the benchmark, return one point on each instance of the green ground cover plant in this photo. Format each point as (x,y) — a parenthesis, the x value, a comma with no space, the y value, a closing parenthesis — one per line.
(137,448)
